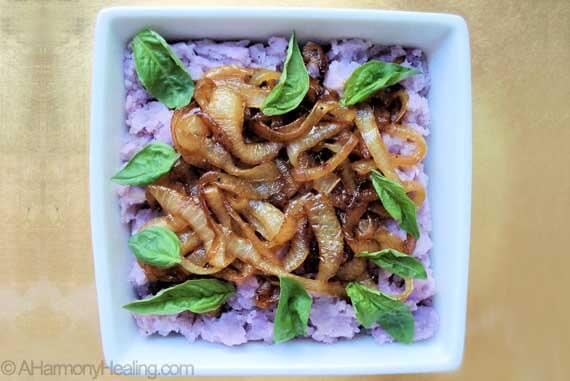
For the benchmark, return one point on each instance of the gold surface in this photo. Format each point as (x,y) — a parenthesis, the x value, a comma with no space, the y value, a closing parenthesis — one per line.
(518,294)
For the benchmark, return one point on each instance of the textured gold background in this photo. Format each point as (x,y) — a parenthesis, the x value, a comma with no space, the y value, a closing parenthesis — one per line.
(518,325)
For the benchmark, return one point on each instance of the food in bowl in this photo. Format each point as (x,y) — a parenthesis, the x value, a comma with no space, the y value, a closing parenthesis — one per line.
(282,194)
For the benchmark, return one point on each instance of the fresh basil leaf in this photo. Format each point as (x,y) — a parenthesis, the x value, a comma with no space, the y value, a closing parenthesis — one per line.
(147,165)
(160,71)
(371,77)
(293,310)
(156,246)
(293,85)
(396,202)
(398,263)
(372,306)
(196,295)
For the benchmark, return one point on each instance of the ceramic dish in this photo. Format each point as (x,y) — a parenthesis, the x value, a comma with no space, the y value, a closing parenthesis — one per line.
(443,38)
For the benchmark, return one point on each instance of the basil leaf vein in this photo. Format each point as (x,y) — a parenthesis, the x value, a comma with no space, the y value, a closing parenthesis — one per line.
(292,316)
(396,262)
(160,71)
(156,246)
(372,306)
(196,295)
(147,165)
(293,85)
(396,202)
(371,77)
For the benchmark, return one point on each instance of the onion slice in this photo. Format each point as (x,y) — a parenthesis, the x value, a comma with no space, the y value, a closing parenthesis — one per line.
(299,248)
(190,136)
(325,225)
(268,218)
(253,96)
(298,127)
(169,222)
(245,251)
(189,241)
(317,134)
(366,124)
(351,270)
(229,72)
(293,215)
(307,174)
(215,201)
(227,108)
(187,208)
(326,183)
(251,236)
(240,187)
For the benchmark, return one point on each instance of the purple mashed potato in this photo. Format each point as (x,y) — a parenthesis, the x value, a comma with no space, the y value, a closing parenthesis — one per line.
(330,319)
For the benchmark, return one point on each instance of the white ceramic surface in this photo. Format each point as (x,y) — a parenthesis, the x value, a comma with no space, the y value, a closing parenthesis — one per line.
(445,40)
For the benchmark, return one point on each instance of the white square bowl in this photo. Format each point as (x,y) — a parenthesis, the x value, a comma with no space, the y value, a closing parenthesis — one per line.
(444,38)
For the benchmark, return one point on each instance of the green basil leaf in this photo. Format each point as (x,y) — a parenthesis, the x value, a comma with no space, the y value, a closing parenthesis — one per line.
(398,263)
(161,72)
(371,77)
(147,165)
(293,310)
(372,306)
(196,295)
(293,85)
(396,202)
(156,246)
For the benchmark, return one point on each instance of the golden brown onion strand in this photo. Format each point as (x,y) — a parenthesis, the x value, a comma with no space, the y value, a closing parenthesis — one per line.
(226,108)
(325,225)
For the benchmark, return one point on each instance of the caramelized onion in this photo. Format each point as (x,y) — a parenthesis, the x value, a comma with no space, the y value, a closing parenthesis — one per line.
(388,240)
(262,76)
(236,276)
(407,134)
(378,208)
(325,225)
(264,217)
(240,187)
(219,157)
(289,185)
(293,214)
(215,201)
(169,222)
(252,95)
(187,208)
(299,248)
(193,268)
(295,129)
(190,136)
(403,97)
(203,92)
(251,236)
(366,124)
(198,257)
(226,108)
(172,274)
(197,161)
(363,167)
(189,241)
(317,134)
(326,183)
(343,114)
(248,211)
(347,177)
(229,72)
(418,192)
(245,251)
(351,270)
(307,174)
